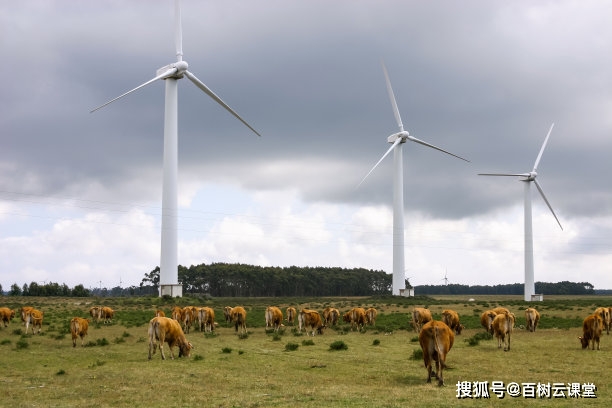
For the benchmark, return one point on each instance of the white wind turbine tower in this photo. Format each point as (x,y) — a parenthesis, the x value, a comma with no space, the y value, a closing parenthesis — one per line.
(171,74)
(397,140)
(527,178)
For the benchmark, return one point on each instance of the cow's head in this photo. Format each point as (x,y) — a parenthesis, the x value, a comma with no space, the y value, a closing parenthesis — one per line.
(320,329)
(584,342)
(185,349)
(459,328)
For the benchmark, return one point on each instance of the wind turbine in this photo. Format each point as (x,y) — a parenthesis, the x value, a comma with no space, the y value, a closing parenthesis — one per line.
(171,74)
(528,178)
(397,140)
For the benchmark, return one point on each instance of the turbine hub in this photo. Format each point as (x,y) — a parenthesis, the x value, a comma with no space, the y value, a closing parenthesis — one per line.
(181,67)
(531,176)
(400,135)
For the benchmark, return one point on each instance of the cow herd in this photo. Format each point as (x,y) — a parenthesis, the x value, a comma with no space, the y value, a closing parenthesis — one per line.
(436,338)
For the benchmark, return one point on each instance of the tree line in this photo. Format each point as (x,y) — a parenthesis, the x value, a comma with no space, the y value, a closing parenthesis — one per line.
(559,288)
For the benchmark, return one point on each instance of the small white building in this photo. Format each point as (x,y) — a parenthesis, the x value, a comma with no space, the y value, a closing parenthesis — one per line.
(408,292)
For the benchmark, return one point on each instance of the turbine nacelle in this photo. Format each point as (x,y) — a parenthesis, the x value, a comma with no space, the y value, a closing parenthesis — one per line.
(531,176)
(180,66)
(400,135)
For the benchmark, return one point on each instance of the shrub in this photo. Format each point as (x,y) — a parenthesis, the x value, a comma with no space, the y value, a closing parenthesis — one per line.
(376,342)
(338,345)
(226,350)
(308,342)
(60,372)
(417,354)
(22,344)
(291,346)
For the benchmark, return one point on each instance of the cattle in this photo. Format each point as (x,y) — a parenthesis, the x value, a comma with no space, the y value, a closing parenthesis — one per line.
(35,318)
(24,310)
(331,316)
(189,316)
(356,317)
(165,330)
(291,313)
(436,340)
(451,318)
(502,329)
(238,317)
(500,309)
(206,319)
(371,314)
(301,314)
(177,313)
(532,318)
(159,313)
(6,315)
(420,316)
(311,319)
(486,320)
(274,317)
(592,327)
(604,313)
(78,328)
(107,314)
(227,313)
(94,312)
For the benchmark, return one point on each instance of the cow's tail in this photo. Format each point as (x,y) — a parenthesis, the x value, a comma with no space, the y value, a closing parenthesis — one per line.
(438,347)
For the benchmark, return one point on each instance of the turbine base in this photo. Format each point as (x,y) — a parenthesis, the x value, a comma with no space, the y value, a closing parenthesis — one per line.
(172,290)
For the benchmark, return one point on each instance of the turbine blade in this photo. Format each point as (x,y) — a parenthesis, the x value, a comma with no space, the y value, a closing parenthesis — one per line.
(535,166)
(414,139)
(166,74)
(210,93)
(178,33)
(505,174)
(547,203)
(398,118)
(398,141)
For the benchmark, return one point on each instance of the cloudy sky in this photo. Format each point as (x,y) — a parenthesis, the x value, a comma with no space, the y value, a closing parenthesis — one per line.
(80,192)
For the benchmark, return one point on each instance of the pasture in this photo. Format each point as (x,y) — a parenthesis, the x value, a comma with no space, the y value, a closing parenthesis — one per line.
(380,367)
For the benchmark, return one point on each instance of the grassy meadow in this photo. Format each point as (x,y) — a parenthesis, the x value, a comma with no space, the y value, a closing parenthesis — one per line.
(380,367)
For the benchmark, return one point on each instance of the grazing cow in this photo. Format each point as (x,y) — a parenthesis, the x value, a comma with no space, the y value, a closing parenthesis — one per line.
(486,320)
(311,319)
(165,330)
(159,313)
(189,315)
(331,316)
(291,313)
(227,313)
(604,312)
(177,313)
(532,318)
(436,340)
(501,309)
(451,318)
(356,317)
(420,316)
(502,328)
(107,314)
(94,312)
(35,318)
(371,314)
(238,317)
(78,328)
(592,326)
(274,317)
(301,314)
(6,315)
(206,319)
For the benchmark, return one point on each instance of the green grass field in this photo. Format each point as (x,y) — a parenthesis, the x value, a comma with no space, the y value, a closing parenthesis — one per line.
(380,367)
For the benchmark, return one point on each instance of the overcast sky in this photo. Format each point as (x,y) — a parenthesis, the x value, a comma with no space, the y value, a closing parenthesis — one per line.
(80,192)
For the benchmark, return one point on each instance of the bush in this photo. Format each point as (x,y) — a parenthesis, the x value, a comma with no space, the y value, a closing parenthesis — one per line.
(417,354)
(226,350)
(22,344)
(376,342)
(338,345)
(308,342)
(291,346)
(475,339)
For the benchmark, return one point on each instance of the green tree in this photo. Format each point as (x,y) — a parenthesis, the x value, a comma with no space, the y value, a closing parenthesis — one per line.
(15,290)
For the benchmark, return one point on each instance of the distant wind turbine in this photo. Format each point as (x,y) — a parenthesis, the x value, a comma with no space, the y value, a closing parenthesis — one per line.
(171,74)
(527,178)
(397,140)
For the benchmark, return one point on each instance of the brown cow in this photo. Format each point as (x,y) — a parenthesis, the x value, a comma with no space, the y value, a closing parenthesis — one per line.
(486,320)
(502,329)
(436,340)
(189,315)
(165,330)
(356,317)
(291,313)
(177,313)
(35,318)
(311,319)
(238,317)
(420,316)
(532,318)
(604,313)
(331,316)
(206,319)
(274,317)
(371,314)
(592,326)
(500,309)
(451,318)
(227,313)
(6,315)
(107,314)
(301,315)
(159,313)
(94,312)
(78,328)
(24,310)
